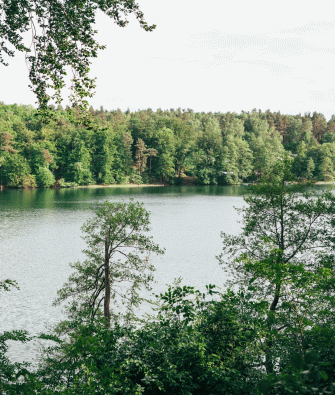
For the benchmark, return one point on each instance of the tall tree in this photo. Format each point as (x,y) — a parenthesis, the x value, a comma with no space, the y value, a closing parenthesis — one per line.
(237,160)
(117,263)
(140,156)
(285,258)
(281,123)
(330,127)
(122,161)
(164,163)
(208,158)
(319,126)
(264,142)
(78,162)
(103,151)
(185,135)
(152,152)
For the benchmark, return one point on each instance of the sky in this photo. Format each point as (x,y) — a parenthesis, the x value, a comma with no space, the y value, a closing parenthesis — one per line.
(210,56)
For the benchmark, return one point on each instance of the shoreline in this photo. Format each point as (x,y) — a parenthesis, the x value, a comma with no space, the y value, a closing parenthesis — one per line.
(114,186)
(98,186)
(94,186)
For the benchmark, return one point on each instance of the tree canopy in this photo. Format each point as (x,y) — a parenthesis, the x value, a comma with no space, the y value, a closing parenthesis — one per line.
(172,146)
(284,260)
(62,36)
(117,263)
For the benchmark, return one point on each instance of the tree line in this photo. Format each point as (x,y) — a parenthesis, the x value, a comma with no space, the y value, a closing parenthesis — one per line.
(174,146)
(269,331)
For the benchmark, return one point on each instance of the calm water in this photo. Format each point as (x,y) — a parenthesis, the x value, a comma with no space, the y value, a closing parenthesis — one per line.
(40,234)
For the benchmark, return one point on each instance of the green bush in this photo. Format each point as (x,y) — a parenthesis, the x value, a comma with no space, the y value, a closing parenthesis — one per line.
(135,178)
(61,183)
(16,172)
(45,178)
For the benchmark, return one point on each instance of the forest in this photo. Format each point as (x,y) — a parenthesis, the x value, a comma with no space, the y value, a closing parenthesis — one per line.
(269,331)
(168,147)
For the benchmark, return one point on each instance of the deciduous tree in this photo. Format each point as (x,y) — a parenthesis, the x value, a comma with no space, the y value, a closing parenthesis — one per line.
(285,257)
(117,263)
(140,156)
(63,35)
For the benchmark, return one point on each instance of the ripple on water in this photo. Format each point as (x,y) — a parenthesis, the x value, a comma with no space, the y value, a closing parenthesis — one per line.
(40,234)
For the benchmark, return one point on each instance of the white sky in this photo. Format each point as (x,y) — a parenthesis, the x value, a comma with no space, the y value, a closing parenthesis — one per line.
(210,56)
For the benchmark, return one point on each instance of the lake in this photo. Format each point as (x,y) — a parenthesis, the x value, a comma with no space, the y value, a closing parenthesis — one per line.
(40,235)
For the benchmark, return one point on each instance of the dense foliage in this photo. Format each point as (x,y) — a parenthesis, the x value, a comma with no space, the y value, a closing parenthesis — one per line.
(62,34)
(116,265)
(162,146)
(271,331)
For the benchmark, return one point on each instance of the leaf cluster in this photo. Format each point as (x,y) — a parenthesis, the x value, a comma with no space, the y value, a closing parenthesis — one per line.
(62,37)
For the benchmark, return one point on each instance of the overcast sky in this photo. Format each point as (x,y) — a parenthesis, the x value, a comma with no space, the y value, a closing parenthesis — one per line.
(210,56)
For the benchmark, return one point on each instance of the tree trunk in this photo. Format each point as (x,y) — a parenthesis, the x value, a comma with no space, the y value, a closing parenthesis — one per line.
(107,313)
(269,341)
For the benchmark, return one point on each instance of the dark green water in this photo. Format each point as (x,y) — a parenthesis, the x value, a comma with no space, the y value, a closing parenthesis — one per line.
(52,198)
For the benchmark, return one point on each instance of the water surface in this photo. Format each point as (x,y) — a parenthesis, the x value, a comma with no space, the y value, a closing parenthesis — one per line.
(40,234)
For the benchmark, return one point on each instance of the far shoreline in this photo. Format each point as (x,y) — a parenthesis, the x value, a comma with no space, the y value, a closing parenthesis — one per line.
(114,186)
(324,183)
(99,186)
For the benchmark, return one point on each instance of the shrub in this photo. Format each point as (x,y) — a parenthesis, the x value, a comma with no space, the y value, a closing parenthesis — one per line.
(45,178)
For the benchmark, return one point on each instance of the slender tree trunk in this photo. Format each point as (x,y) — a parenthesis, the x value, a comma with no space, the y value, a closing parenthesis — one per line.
(107,313)
(269,340)
(274,304)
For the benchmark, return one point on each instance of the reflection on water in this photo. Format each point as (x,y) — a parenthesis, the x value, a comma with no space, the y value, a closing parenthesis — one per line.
(77,198)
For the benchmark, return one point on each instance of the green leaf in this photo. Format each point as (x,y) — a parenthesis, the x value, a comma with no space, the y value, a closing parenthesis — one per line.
(311,357)
(297,361)
(264,386)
